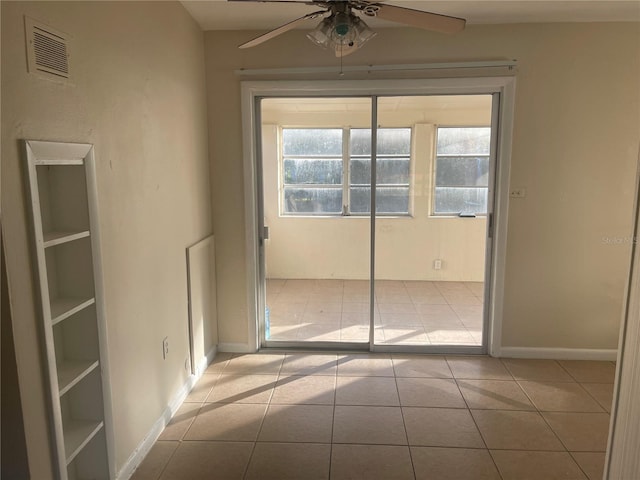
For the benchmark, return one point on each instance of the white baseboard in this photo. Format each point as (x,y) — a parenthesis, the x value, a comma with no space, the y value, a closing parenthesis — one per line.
(235,348)
(159,425)
(558,353)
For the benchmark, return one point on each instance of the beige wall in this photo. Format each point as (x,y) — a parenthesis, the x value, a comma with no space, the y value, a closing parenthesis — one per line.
(338,247)
(574,148)
(138,95)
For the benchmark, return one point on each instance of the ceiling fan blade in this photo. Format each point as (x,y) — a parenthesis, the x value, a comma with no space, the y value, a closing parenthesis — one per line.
(420,19)
(281,29)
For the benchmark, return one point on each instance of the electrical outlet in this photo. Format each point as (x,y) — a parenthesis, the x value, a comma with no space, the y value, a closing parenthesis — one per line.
(518,192)
(437,264)
(165,348)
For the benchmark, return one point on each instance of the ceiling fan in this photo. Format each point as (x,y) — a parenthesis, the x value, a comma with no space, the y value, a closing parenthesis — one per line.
(343,31)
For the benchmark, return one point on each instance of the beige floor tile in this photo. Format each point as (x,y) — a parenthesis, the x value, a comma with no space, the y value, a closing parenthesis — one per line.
(393,308)
(181,421)
(449,336)
(310,364)
(321,318)
(309,390)
(494,395)
(354,333)
(218,363)
(590,371)
(297,423)
(242,389)
(429,300)
(202,389)
(227,421)
(453,287)
(323,307)
(361,365)
(421,366)
(591,463)
(283,333)
(580,432)
(459,299)
(524,465)
(371,462)
(511,430)
(440,311)
(361,308)
(400,320)
(478,368)
(602,392)
(468,312)
(441,427)
(358,297)
(197,461)
(371,425)
(560,397)
(284,320)
(542,370)
(354,318)
(289,461)
(155,461)
(429,392)
(325,296)
(329,332)
(410,335)
(367,391)
(254,363)
(453,464)
(420,285)
(477,288)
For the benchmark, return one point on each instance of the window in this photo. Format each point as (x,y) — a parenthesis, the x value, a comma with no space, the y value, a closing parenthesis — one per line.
(315,162)
(462,170)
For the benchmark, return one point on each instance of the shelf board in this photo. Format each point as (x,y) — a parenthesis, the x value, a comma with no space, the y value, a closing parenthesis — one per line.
(62,161)
(71,372)
(62,308)
(77,433)
(56,238)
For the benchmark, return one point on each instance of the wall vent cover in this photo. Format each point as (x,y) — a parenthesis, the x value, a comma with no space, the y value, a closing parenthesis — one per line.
(47,50)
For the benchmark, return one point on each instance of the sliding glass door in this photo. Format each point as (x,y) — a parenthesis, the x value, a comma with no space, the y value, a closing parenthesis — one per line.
(433,172)
(400,267)
(316,257)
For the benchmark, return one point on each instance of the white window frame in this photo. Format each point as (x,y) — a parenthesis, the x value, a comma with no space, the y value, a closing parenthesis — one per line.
(434,171)
(346,173)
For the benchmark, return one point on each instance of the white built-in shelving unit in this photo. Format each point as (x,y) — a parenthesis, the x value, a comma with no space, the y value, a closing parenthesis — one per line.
(67,253)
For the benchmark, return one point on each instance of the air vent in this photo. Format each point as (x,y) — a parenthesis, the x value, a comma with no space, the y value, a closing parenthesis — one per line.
(47,50)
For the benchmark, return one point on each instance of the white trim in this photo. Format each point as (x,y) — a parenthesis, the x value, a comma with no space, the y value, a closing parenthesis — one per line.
(251,90)
(622,460)
(509,64)
(559,353)
(237,348)
(159,425)
(143,448)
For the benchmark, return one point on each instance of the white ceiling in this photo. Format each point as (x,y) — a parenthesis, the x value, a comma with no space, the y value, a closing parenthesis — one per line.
(224,15)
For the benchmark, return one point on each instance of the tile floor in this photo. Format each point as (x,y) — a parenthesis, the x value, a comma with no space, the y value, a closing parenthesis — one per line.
(406,312)
(386,417)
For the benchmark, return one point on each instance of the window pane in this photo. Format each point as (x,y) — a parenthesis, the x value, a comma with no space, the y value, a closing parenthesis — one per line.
(312,141)
(313,201)
(391,141)
(360,141)
(390,171)
(461,200)
(467,140)
(319,171)
(462,171)
(388,200)
(394,141)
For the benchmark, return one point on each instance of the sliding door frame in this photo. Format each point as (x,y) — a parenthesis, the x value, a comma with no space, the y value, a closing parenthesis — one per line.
(252,92)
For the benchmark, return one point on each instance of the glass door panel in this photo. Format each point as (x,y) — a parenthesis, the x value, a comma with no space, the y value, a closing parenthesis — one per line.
(316,259)
(433,175)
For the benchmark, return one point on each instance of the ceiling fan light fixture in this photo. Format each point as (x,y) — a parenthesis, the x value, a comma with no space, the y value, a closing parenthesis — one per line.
(321,35)
(341,31)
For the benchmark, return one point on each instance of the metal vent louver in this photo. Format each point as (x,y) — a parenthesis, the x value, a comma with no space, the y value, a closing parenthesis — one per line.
(47,50)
